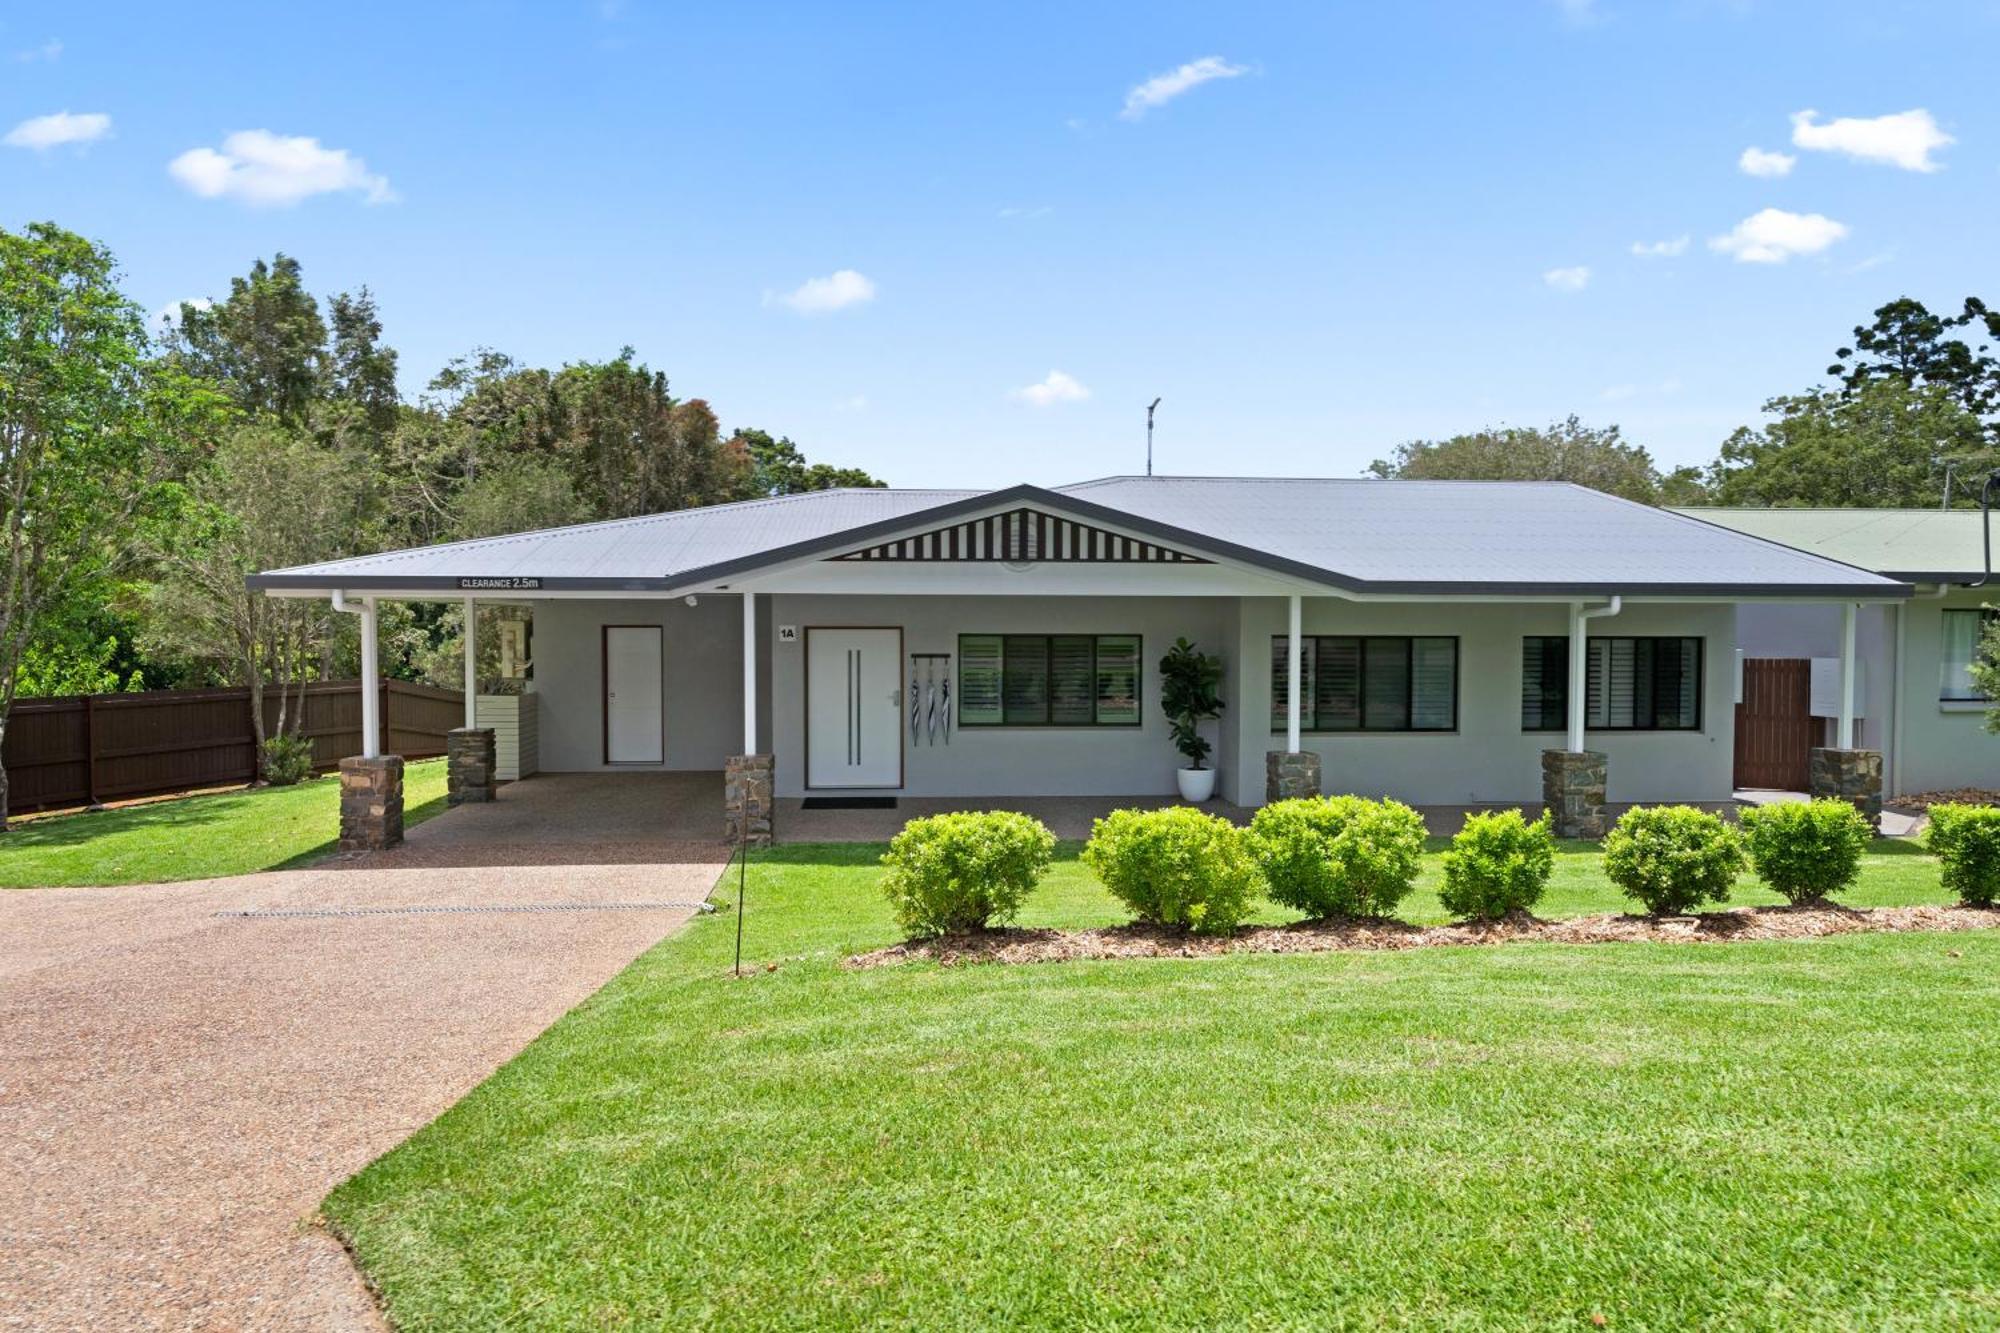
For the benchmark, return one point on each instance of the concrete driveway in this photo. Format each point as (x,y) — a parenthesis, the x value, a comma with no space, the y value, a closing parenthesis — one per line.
(179,1088)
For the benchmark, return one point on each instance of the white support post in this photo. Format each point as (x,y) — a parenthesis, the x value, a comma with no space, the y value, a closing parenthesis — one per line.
(750,673)
(1579,675)
(471,664)
(1844,732)
(371,684)
(1292,682)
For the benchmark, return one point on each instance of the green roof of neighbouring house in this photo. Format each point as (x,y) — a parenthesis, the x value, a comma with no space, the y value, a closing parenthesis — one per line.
(1914,545)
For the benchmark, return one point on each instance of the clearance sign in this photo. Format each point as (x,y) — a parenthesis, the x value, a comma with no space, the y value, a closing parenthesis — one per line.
(499,584)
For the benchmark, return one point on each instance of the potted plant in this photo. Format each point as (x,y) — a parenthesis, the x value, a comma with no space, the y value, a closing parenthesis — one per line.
(1188,681)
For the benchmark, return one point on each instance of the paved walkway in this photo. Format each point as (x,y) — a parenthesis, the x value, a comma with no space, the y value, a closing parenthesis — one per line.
(179,1089)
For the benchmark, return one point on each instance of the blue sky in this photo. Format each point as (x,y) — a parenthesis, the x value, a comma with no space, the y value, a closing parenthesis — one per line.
(1324,231)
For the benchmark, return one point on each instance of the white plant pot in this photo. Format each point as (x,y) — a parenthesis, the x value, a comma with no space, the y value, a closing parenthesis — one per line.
(1197,784)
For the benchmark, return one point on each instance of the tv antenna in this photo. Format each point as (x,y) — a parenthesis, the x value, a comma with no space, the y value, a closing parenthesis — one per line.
(1149,435)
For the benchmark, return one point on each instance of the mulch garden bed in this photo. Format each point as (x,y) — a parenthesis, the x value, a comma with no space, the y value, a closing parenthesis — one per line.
(1016,945)
(1924,800)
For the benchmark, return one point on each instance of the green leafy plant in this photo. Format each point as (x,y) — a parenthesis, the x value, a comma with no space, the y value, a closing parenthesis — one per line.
(1498,863)
(1174,867)
(959,872)
(1189,683)
(1338,855)
(1806,850)
(1966,839)
(1673,858)
(288,760)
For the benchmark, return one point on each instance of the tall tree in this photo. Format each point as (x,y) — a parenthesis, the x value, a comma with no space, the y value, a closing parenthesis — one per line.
(1909,344)
(264,343)
(1878,444)
(634,448)
(1567,450)
(91,434)
(779,467)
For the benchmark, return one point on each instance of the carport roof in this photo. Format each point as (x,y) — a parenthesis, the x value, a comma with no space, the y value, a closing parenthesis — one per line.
(1359,535)
(1914,545)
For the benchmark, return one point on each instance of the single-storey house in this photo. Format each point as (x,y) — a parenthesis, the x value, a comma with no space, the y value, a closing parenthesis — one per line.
(1916,700)
(1445,643)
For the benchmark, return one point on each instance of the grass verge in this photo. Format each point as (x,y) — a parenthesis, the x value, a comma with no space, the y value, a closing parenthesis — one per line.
(1761,1135)
(201,837)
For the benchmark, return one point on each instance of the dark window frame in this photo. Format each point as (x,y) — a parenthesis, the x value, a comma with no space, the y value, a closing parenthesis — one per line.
(1561,692)
(1279,647)
(1048,658)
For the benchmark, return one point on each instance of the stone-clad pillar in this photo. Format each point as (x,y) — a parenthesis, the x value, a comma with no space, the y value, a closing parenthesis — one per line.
(1290,773)
(468,765)
(1854,776)
(1573,790)
(371,803)
(747,784)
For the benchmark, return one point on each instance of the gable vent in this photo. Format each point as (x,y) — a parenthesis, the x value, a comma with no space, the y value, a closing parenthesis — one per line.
(1024,537)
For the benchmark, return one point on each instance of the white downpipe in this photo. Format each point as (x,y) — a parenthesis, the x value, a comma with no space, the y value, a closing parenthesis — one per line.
(1292,682)
(371,673)
(1844,732)
(1580,617)
(471,663)
(750,673)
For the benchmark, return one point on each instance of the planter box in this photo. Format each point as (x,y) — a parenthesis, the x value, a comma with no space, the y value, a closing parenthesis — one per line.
(516,735)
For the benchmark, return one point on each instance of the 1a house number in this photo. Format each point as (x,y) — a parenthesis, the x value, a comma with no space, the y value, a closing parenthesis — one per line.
(788,634)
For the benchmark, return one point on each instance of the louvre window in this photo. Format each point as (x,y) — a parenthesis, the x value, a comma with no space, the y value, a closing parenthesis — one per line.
(1962,632)
(1632,684)
(1369,683)
(1048,680)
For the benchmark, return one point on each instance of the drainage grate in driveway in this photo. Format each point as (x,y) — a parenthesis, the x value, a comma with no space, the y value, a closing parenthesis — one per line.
(454,909)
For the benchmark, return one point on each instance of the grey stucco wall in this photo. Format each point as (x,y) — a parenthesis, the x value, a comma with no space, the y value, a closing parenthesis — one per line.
(1944,745)
(702,667)
(1489,757)
(995,761)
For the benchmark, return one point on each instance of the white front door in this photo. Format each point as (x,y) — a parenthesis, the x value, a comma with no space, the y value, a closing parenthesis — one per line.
(634,697)
(854,716)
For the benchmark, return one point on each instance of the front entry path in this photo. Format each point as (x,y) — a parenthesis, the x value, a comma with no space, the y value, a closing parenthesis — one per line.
(179,1089)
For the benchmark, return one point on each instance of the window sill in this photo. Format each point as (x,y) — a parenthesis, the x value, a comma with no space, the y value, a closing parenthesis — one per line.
(1964,705)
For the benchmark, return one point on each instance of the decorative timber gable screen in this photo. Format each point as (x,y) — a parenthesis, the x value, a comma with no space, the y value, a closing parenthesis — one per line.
(1024,536)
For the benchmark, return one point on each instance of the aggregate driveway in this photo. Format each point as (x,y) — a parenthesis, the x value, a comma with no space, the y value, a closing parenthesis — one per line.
(179,1089)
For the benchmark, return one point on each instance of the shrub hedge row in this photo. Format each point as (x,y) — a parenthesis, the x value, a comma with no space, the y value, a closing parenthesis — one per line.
(1346,856)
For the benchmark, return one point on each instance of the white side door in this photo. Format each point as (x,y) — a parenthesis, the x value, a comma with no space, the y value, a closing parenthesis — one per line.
(634,696)
(854,716)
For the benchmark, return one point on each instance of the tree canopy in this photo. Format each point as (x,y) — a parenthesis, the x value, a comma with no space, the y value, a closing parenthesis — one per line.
(1567,450)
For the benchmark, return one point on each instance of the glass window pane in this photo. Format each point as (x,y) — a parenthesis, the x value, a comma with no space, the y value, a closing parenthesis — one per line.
(1072,680)
(1336,696)
(1280,682)
(979,680)
(1434,684)
(1386,684)
(1118,680)
(1961,646)
(1025,680)
(1545,683)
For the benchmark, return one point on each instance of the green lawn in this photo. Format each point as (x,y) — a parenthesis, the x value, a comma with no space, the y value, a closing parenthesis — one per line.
(199,837)
(1766,1135)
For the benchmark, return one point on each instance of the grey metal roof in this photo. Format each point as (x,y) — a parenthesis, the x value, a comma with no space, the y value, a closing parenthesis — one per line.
(1915,545)
(1363,535)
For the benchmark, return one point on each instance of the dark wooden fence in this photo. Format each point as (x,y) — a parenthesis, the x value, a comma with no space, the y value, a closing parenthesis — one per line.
(1774,724)
(81,749)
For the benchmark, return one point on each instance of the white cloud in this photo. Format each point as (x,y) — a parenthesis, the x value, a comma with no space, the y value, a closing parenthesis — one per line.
(1164,88)
(42,133)
(264,169)
(1760,162)
(47,53)
(1906,139)
(853,403)
(1773,236)
(1661,249)
(817,296)
(1055,387)
(1568,279)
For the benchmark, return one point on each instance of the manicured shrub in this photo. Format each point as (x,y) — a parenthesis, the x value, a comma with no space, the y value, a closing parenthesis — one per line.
(288,760)
(1338,855)
(1174,867)
(1673,858)
(1966,839)
(1806,850)
(1498,863)
(960,872)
